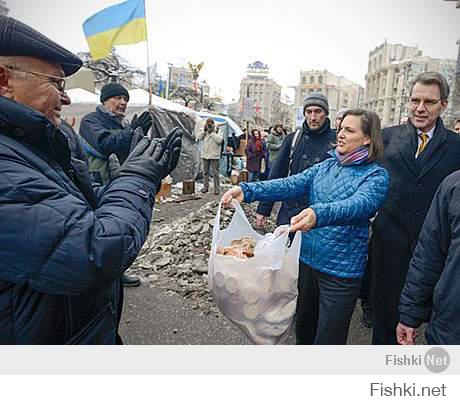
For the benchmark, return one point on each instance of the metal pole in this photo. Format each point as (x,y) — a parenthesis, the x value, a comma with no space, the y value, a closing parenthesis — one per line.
(168,82)
(149,83)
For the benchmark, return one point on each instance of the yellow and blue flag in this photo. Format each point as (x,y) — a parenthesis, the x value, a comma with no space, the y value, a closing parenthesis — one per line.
(122,24)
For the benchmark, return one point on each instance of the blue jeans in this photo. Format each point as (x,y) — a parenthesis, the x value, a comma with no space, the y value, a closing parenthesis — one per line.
(324,307)
(252,176)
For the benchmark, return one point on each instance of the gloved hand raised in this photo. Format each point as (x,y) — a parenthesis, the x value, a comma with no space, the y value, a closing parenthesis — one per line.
(173,143)
(113,162)
(144,121)
(138,134)
(148,160)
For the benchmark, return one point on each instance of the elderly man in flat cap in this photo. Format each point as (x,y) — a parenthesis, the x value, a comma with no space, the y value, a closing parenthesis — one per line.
(64,245)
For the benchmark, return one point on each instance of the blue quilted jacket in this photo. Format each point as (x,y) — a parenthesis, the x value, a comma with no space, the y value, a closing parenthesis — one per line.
(344,198)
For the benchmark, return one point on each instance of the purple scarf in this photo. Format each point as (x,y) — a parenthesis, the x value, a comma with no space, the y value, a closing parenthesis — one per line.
(357,156)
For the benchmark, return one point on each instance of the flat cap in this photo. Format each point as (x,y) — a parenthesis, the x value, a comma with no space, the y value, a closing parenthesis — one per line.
(18,39)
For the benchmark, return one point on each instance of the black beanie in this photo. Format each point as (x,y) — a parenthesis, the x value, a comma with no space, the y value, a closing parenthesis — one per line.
(316,99)
(113,90)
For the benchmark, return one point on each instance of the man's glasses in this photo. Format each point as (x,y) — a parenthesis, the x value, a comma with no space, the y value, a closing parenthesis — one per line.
(58,82)
(415,102)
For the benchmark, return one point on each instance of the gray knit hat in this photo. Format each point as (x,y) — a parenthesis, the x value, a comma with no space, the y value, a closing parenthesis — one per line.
(317,99)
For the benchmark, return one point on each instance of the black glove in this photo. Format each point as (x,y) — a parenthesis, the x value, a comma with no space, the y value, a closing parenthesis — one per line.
(138,134)
(144,121)
(113,166)
(149,160)
(173,143)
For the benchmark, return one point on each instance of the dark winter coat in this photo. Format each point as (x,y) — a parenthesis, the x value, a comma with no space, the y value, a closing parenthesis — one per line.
(312,147)
(76,148)
(344,198)
(61,254)
(432,289)
(396,229)
(254,157)
(103,134)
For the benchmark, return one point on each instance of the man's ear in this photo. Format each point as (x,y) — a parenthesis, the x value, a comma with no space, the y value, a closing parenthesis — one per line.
(444,104)
(5,86)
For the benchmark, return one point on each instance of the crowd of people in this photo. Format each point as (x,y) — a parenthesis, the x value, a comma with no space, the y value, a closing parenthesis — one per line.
(379,210)
(401,185)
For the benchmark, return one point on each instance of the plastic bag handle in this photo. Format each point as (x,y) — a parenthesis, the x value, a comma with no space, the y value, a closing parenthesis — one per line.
(238,210)
(216,227)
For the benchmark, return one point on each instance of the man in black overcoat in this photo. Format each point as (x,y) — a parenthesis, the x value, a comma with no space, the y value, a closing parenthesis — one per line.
(418,156)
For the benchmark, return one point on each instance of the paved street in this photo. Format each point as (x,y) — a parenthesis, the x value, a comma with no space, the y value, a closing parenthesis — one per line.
(155,316)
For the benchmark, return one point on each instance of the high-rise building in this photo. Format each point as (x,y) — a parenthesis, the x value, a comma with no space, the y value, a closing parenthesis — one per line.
(265,93)
(391,69)
(3,9)
(340,92)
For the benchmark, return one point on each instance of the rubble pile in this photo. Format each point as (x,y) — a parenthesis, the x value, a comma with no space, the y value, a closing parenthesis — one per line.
(175,256)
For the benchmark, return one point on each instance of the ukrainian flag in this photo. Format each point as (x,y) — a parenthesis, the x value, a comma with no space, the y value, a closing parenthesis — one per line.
(122,24)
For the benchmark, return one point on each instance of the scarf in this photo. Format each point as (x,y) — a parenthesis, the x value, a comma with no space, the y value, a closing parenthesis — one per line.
(258,145)
(359,155)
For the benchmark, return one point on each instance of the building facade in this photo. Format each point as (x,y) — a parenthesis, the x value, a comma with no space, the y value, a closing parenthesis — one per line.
(3,8)
(265,93)
(182,77)
(340,92)
(391,69)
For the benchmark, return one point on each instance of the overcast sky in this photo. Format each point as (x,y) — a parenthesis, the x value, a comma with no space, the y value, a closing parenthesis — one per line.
(287,35)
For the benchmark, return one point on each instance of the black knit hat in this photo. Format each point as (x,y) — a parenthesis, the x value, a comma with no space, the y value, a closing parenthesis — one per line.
(113,90)
(316,99)
(18,39)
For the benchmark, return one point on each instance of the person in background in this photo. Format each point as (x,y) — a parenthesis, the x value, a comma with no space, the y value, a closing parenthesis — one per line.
(210,154)
(233,143)
(105,131)
(432,288)
(418,155)
(338,118)
(457,126)
(344,192)
(274,141)
(265,162)
(255,152)
(299,151)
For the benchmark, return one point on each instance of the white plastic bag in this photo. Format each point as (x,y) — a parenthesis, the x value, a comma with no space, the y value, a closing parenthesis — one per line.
(258,294)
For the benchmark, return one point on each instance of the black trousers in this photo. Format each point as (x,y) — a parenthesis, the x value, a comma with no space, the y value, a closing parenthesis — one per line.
(383,334)
(324,307)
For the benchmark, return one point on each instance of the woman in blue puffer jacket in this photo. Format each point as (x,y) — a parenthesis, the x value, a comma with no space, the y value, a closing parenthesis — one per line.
(344,192)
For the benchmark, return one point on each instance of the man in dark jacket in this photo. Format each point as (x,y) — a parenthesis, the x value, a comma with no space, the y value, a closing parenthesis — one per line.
(105,130)
(64,244)
(299,151)
(418,156)
(432,290)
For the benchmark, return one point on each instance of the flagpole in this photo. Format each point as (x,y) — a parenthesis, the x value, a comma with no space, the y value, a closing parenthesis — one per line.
(149,83)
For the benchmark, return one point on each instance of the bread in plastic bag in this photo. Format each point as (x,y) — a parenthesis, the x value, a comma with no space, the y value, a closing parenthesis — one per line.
(258,294)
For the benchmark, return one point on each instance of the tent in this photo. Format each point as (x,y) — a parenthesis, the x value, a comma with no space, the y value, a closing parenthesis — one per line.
(82,96)
(166,115)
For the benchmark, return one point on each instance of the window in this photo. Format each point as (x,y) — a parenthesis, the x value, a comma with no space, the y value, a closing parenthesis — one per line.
(304,80)
(320,79)
(312,79)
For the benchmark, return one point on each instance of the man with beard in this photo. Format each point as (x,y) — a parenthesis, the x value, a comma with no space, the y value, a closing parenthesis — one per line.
(299,151)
